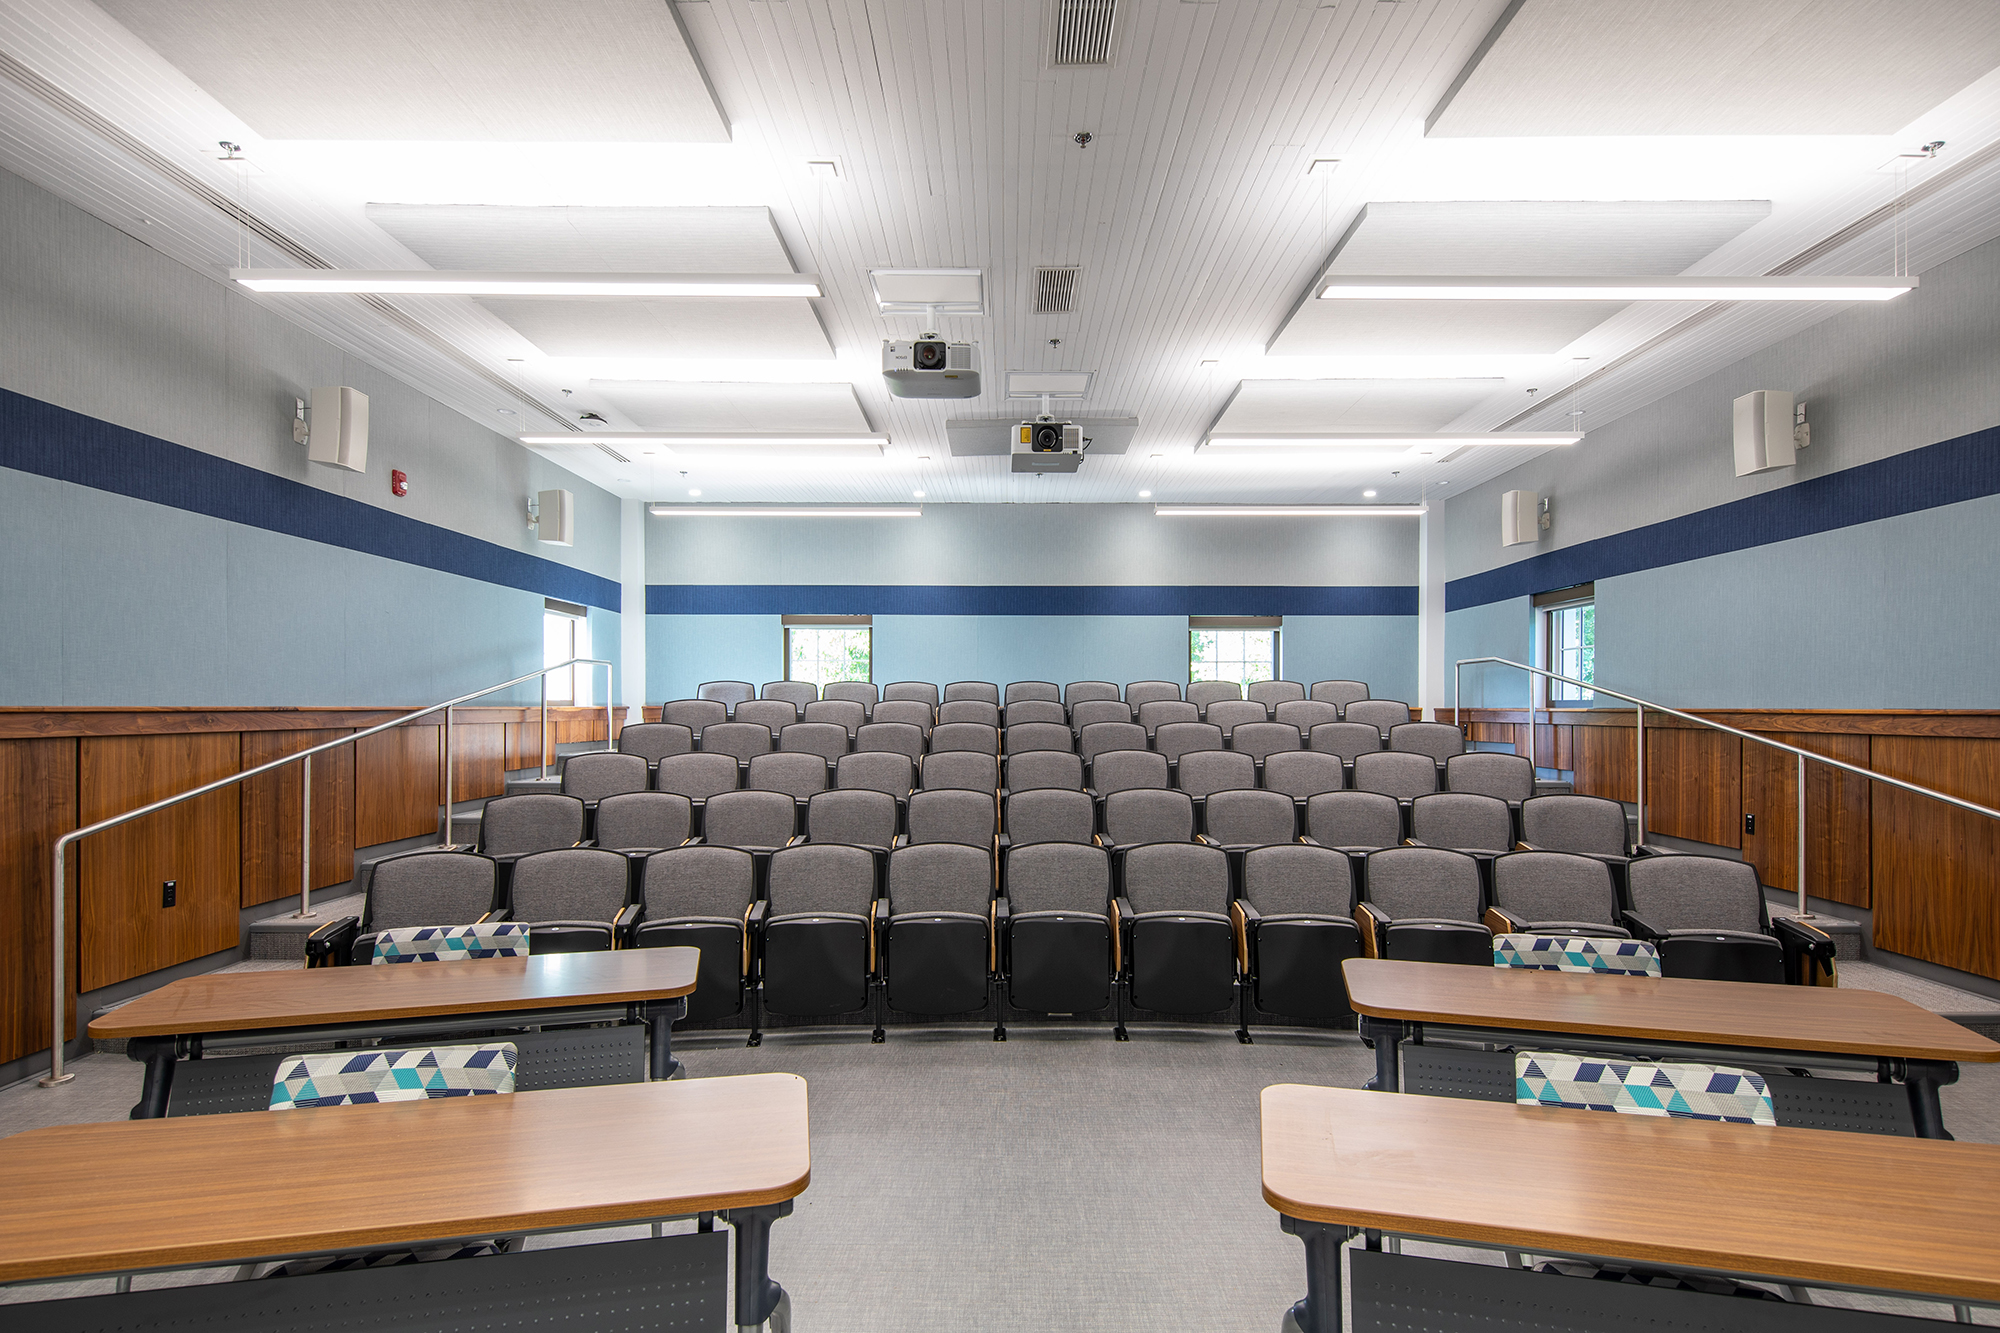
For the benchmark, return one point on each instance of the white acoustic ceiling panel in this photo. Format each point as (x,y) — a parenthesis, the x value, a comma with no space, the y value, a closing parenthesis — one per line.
(1352,406)
(1691,67)
(587,240)
(1509,237)
(674,328)
(522,71)
(785,408)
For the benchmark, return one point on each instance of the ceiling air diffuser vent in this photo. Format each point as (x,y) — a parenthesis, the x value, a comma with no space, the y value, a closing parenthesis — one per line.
(1055,291)
(1080,32)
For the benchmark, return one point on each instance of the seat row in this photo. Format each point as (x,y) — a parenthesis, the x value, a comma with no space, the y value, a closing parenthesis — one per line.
(732,693)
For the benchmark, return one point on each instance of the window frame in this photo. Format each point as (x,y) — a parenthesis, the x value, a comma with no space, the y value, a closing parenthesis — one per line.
(1547,606)
(789,623)
(1240,624)
(563,686)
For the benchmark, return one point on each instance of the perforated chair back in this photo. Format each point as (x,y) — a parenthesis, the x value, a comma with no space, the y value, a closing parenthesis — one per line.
(1092,711)
(1673,893)
(537,822)
(1156,713)
(702,883)
(858,818)
(1049,814)
(1033,710)
(1462,821)
(1380,714)
(910,712)
(353,1078)
(959,770)
(940,877)
(1303,773)
(1132,817)
(1261,740)
(602,773)
(1250,818)
(749,819)
(573,886)
(1177,877)
(694,714)
(1510,777)
(797,693)
(893,737)
(1142,692)
(979,691)
(796,775)
(644,819)
(969,710)
(1289,879)
(1202,693)
(1023,690)
(1026,736)
(974,736)
(1059,877)
(847,714)
(728,693)
(654,741)
(1090,691)
(1588,824)
(879,770)
(1349,740)
(1555,891)
(1403,776)
(1103,737)
(1305,714)
(1205,771)
(773,714)
(429,889)
(1129,770)
(851,691)
(1178,739)
(1339,693)
(1271,693)
(1638,1087)
(452,944)
(1044,768)
(828,740)
(1423,884)
(697,776)
(1232,713)
(822,879)
(911,691)
(952,816)
(1439,740)
(1358,820)
(742,741)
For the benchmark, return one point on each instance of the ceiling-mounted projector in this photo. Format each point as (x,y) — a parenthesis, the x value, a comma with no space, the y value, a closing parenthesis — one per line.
(1048,445)
(930,367)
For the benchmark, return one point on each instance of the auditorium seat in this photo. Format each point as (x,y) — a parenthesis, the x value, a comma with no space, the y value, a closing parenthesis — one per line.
(1586,825)
(797,693)
(1175,739)
(1055,921)
(758,822)
(1172,914)
(1156,713)
(857,818)
(851,691)
(1228,714)
(654,741)
(637,824)
(1090,711)
(976,737)
(1423,904)
(828,740)
(892,738)
(1510,777)
(420,888)
(1708,918)
(1380,714)
(728,693)
(1088,691)
(1301,774)
(1261,740)
(1237,821)
(977,691)
(698,777)
(1142,692)
(796,775)
(1439,740)
(694,714)
(1023,711)
(1204,771)
(878,770)
(1294,928)
(1354,822)
(910,712)
(1043,768)
(960,770)
(964,817)
(1202,693)
(742,741)
(1133,818)
(513,826)
(1021,691)
(774,715)
(1048,814)
(703,898)
(1305,714)
(592,777)
(1027,736)
(1553,893)
(573,900)
(1403,776)
(1480,826)
(969,710)
(1339,693)
(1129,770)
(911,691)
(1104,737)
(1348,740)
(1271,693)
(848,714)
(937,946)
(818,947)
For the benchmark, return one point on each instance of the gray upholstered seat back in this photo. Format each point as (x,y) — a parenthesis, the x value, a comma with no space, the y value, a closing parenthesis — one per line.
(644,819)
(517,825)
(1231,713)
(1142,692)
(914,712)
(977,737)
(979,691)
(741,740)
(1059,877)
(1126,770)
(749,819)
(654,741)
(1439,740)
(1174,739)
(1148,816)
(1295,880)
(1089,691)
(796,775)
(828,740)
(574,884)
(1091,711)
(1205,771)
(853,691)
(772,714)
(1250,818)
(1044,768)
(940,877)
(1038,736)
(1271,693)
(1103,737)
(1049,814)
(1202,693)
(1177,877)
(1413,883)
(430,889)
(1349,740)
(1305,714)
(1354,819)
(1403,776)
(847,714)
(1021,690)
(822,877)
(961,770)
(1303,773)
(1462,820)
(1554,886)
(1261,740)
(727,692)
(697,776)
(892,737)
(1589,824)
(602,773)
(1380,714)
(911,691)
(1156,713)
(952,816)
(859,818)
(1339,693)
(1511,777)
(969,710)
(714,882)
(797,693)
(694,714)
(1696,893)
(879,770)
(1033,710)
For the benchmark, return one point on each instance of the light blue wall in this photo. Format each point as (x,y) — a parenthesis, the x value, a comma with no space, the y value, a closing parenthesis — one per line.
(684,651)
(1498,629)
(1381,650)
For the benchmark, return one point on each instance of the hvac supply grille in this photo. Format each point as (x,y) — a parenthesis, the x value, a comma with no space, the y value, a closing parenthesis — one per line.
(1080,32)
(1055,290)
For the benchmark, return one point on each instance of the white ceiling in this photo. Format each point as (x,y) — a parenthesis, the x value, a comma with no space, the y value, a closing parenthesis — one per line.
(1190,214)
(1353,406)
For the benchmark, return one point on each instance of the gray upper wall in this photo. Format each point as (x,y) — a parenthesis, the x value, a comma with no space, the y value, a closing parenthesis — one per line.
(1034,545)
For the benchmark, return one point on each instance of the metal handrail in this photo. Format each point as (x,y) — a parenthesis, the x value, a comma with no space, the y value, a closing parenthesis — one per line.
(1641,705)
(59,1022)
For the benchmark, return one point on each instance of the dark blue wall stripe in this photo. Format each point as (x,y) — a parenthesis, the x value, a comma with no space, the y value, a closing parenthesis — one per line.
(1967,468)
(688,599)
(54,442)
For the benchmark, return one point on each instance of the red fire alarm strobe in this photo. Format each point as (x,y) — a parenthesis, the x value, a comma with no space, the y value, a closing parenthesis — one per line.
(399,483)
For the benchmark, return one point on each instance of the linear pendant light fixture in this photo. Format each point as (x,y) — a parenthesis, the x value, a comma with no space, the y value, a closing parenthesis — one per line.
(1384,440)
(721,444)
(447,282)
(1355,287)
(786,511)
(1287,511)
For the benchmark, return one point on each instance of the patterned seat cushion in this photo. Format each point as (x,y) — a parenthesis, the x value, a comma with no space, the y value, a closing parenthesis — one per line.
(1683,1091)
(345,1078)
(434,944)
(1555,953)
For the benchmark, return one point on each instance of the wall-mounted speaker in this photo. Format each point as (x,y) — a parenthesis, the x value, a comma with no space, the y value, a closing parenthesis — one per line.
(1519,519)
(555,518)
(338,431)
(1764,422)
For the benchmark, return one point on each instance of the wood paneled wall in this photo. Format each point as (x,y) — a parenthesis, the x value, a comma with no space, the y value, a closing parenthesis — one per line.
(271,810)
(37,806)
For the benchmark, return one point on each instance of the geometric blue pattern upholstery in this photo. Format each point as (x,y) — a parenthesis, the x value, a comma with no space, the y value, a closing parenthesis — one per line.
(432,944)
(1556,953)
(344,1078)
(1682,1091)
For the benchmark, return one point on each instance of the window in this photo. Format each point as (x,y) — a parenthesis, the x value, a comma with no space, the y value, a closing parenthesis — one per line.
(1568,632)
(1239,648)
(566,635)
(823,649)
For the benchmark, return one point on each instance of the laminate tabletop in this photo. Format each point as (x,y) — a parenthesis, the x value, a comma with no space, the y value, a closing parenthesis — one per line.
(132,1194)
(1910,1215)
(1716,1013)
(248,1001)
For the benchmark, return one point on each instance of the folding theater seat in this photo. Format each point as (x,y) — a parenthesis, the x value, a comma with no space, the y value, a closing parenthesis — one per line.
(1480,826)
(797,693)
(511,827)
(972,691)
(1048,814)
(969,710)
(1439,740)
(421,888)
(1202,693)
(1176,740)
(774,715)
(851,691)
(976,737)
(1582,825)
(1055,923)
(1271,693)
(911,691)
(799,776)
(1553,893)
(1354,823)
(575,900)
(1173,919)
(1091,691)
(937,948)
(959,770)
(1506,777)
(1023,711)
(1339,693)
(818,948)
(637,824)
(1708,919)
(1346,741)
(1204,772)
(1237,821)
(1232,713)
(703,898)
(1043,768)
(1294,928)
(1261,740)
(698,777)
(758,822)
(880,770)
(907,712)
(857,818)
(1142,692)
(1133,818)
(1423,904)
(1099,738)
(592,777)
(694,714)
(1023,691)
(850,715)
(828,740)
(1403,776)
(741,741)
(1088,711)
(728,693)
(1156,713)
(1381,714)
(654,741)
(1025,736)
(891,738)
(1305,714)
(963,817)
(1304,774)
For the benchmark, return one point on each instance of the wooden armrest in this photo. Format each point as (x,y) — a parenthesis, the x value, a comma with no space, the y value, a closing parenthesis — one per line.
(1370,923)
(1500,923)
(1117,944)
(1237,909)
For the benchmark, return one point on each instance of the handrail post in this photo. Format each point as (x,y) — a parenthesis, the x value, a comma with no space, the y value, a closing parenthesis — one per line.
(444,825)
(1803,910)
(1457,709)
(1639,735)
(60,1020)
(545,723)
(610,740)
(305,911)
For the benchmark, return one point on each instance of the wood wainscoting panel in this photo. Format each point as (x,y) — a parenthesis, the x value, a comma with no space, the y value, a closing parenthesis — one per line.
(396,785)
(38,794)
(124,929)
(1936,868)
(1604,762)
(1694,784)
(271,815)
(478,760)
(1837,817)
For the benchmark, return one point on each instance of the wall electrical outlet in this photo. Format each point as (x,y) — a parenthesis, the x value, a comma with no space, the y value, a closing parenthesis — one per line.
(169,890)
(1749,822)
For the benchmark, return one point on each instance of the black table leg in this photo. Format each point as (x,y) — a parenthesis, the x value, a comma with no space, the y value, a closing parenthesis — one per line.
(757,1297)
(1923,1078)
(1319,1312)
(157,1054)
(661,1015)
(1386,1033)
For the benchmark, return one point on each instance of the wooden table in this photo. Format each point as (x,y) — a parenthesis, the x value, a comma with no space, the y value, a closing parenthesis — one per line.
(120,1197)
(1905,1216)
(1651,1017)
(222,1009)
